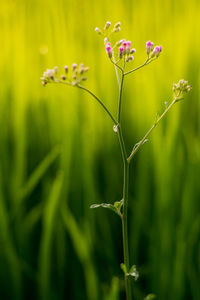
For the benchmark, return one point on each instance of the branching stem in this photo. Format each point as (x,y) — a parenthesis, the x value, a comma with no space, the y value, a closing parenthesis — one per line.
(150,130)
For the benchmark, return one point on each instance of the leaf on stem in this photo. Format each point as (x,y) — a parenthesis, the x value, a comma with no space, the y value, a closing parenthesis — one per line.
(132,272)
(116,207)
(123,267)
(135,146)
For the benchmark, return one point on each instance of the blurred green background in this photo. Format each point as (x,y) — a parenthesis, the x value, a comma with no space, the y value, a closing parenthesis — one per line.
(59,154)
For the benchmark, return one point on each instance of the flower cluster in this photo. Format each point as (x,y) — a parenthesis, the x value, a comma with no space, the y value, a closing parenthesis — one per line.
(124,47)
(107,26)
(125,50)
(151,50)
(181,87)
(74,77)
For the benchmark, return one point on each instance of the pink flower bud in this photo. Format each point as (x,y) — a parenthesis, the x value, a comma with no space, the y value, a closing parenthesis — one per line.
(128,46)
(156,51)
(74,66)
(63,77)
(130,58)
(132,51)
(66,69)
(149,47)
(121,51)
(108,50)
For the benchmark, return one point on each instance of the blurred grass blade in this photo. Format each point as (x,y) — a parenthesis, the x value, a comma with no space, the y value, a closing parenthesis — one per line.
(9,251)
(39,172)
(82,248)
(49,221)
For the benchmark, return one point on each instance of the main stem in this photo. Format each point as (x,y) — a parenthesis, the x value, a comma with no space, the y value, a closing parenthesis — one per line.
(125,195)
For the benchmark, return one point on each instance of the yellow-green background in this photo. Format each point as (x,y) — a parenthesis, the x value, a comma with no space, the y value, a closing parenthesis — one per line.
(59,154)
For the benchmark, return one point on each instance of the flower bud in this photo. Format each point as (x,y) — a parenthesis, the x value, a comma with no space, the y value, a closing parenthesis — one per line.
(98,30)
(156,51)
(66,69)
(56,69)
(132,51)
(116,29)
(107,25)
(118,24)
(120,42)
(63,77)
(74,66)
(81,68)
(121,51)
(181,87)
(129,58)
(128,46)
(109,50)
(105,40)
(149,47)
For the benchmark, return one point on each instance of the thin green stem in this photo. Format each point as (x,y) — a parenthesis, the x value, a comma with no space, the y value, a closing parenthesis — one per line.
(125,194)
(100,102)
(116,70)
(150,130)
(120,99)
(147,62)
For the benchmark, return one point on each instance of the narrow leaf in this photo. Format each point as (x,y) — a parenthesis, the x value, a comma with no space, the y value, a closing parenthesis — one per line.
(123,267)
(105,205)
(133,272)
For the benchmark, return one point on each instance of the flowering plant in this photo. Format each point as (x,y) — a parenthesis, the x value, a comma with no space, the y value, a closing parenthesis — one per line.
(120,55)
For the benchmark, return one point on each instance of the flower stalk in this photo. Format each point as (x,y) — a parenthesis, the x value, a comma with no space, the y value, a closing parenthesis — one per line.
(75,77)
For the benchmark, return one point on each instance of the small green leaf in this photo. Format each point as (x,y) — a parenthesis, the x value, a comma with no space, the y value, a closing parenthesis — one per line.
(133,272)
(150,297)
(123,267)
(118,204)
(105,205)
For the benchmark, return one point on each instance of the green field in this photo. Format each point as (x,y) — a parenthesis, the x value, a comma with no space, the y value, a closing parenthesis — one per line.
(59,154)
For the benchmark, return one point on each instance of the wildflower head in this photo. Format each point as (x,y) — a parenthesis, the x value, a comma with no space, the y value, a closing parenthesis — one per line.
(48,76)
(181,88)
(149,47)
(77,74)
